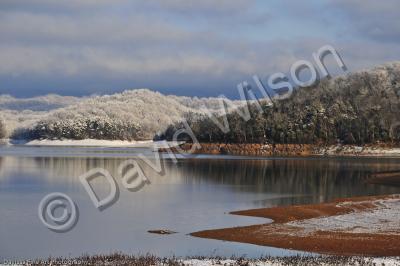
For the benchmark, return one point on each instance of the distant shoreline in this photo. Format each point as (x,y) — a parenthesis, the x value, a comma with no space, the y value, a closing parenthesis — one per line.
(247,149)
(81,143)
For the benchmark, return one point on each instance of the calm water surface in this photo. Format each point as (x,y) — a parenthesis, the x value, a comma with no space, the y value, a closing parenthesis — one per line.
(194,194)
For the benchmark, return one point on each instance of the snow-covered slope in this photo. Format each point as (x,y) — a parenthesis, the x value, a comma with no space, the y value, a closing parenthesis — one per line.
(141,109)
(24,112)
(143,112)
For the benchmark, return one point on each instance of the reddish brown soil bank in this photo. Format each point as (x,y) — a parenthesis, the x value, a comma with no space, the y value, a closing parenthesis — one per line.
(284,233)
(253,149)
(292,149)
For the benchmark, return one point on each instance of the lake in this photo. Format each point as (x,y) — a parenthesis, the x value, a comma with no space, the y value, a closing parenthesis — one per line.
(196,193)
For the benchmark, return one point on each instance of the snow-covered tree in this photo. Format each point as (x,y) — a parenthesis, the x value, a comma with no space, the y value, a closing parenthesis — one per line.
(2,129)
(359,108)
(131,115)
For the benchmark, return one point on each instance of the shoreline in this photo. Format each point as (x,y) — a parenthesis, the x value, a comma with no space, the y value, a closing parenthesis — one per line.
(88,143)
(366,226)
(249,149)
(153,260)
(292,150)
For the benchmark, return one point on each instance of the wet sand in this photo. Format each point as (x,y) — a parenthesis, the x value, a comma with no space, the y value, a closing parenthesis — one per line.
(319,228)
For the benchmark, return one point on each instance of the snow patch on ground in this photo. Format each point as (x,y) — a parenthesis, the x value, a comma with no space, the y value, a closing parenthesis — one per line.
(359,150)
(309,261)
(277,262)
(384,219)
(91,142)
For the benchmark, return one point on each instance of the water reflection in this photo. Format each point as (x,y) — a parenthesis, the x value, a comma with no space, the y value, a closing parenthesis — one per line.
(319,179)
(192,195)
(308,180)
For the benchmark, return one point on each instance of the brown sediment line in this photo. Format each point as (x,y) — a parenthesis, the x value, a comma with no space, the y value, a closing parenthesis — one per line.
(249,149)
(266,150)
(282,235)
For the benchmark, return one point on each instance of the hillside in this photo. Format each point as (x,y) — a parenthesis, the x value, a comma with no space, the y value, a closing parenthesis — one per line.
(23,113)
(358,108)
(132,114)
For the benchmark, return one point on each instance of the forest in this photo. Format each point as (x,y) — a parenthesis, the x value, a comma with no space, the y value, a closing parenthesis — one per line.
(359,108)
(131,115)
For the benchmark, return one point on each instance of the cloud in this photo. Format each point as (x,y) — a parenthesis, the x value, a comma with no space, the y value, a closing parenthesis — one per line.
(118,44)
(205,6)
(187,8)
(378,20)
(47,29)
(63,5)
(194,47)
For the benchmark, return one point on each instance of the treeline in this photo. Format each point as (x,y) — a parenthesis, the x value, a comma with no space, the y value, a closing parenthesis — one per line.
(130,115)
(81,129)
(357,109)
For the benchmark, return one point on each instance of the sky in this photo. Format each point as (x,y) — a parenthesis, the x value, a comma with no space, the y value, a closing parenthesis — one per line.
(183,47)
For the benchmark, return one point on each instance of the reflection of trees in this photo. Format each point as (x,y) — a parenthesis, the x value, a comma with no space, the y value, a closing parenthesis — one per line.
(10,165)
(70,168)
(323,178)
(319,178)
